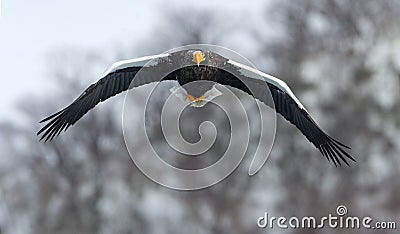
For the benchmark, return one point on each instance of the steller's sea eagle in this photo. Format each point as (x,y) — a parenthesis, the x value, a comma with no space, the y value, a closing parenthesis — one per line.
(203,65)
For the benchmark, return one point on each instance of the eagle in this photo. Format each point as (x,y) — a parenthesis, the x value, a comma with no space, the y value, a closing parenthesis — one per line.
(195,65)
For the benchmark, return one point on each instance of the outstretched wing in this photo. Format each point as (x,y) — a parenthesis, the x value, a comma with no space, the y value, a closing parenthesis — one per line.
(286,103)
(119,77)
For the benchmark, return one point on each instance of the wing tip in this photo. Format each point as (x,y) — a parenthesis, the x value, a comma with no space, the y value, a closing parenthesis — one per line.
(52,128)
(333,149)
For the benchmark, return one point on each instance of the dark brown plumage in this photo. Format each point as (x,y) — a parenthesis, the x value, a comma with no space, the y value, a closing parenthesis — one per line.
(214,67)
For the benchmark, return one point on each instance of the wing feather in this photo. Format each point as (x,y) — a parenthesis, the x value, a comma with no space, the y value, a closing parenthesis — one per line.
(114,81)
(285,103)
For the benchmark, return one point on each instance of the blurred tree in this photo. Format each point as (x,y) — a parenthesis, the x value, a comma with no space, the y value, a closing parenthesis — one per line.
(328,54)
(84,181)
(334,55)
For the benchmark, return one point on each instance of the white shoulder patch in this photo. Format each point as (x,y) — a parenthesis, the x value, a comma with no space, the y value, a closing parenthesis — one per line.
(136,62)
(256,74)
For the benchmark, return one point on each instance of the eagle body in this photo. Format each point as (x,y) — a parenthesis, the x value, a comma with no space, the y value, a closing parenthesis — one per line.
(189,74)
(190,68)
(209,70)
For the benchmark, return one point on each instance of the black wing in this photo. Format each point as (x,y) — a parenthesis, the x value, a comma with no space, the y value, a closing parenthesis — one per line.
(120,77)
(286,104)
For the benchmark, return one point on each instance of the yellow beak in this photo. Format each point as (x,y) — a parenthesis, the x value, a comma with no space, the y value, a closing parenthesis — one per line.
(198,58)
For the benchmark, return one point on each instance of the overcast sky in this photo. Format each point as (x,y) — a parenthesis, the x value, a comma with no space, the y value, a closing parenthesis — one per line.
(30,30)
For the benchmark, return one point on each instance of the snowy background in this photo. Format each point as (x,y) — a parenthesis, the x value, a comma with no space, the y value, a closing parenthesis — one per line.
(341,58)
